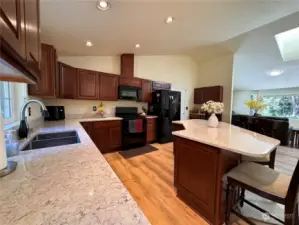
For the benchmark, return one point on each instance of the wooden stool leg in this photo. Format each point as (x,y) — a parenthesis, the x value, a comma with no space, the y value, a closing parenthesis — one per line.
(242,197)
(228,203)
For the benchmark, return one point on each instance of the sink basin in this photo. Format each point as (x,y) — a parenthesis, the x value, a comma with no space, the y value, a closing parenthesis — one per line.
(52,140)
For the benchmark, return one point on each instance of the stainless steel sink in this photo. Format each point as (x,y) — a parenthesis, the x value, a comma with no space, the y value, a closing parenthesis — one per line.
(52,140)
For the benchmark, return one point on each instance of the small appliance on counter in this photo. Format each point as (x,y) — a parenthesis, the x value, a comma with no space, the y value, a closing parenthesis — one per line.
(133,127)
(55,113)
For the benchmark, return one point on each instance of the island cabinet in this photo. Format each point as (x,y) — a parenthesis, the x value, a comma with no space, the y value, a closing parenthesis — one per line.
(87,84)
(107,135)
(67,81)
(198,177)
(108,87)
(20,40)
(151,130)
(46,85)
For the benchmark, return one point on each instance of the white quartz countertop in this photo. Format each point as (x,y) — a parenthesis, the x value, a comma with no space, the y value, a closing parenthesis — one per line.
(71,184)
(227,137)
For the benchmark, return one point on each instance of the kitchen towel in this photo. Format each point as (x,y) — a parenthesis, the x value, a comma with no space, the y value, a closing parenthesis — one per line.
(132,126)
(3,158)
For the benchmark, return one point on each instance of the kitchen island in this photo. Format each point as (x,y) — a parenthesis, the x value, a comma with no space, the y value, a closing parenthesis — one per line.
(204,155)
(71,184)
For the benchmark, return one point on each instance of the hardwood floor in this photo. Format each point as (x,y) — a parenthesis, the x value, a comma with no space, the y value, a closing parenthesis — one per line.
(148,175)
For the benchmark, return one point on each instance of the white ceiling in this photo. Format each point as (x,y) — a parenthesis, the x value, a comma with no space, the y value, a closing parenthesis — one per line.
(67,24)
(258,54)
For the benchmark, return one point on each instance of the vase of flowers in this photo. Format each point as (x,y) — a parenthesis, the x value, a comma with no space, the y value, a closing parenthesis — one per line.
(213,108)
(255,106)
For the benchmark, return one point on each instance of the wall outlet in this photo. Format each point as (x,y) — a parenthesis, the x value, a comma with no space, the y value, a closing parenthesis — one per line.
(94,108)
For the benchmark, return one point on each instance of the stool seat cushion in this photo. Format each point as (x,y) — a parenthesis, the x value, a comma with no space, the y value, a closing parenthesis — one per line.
(261,178)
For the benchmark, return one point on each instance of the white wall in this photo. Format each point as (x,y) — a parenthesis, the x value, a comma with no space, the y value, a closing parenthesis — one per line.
(219,71)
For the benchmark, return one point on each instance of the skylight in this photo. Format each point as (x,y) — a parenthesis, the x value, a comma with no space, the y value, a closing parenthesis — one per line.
(288,43)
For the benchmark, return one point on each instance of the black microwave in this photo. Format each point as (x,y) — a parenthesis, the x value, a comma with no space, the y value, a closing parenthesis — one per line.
(129,93)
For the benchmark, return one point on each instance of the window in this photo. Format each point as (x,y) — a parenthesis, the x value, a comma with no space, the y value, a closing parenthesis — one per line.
(6,100)
(282,106)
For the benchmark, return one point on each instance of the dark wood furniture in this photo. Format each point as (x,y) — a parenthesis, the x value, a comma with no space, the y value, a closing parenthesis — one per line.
(46,85)
(198,173)
(135,82)
(127,65)
(294,136)
(158,85)
(146,86)
(67,81)
(108,87)
(151,130)
(87,84)
(204,94)
(20,40)
(107,135)
(268,184)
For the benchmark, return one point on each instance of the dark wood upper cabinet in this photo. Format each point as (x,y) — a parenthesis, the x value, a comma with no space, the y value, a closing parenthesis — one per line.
(135,82)
(67,81)
(87,84)
(46,85)
(108,87)
(20,40)
(204,94)
(147,91)
(127,65)
(32,30)
(158,85)
(12,31)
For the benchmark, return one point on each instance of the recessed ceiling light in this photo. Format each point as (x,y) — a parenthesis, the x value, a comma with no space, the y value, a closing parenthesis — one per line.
(137,45)
(103,5)
(169,19)
(88,43)
(275,73)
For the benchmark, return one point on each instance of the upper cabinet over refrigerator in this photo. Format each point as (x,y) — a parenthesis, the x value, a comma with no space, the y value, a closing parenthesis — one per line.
(20,40)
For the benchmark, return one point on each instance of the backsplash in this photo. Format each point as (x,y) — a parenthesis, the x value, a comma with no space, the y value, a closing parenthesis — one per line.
(75,108)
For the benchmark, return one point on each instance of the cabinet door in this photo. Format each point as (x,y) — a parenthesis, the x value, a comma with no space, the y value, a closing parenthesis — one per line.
(101,138)
(88,127)
(108,87)
(46,85)
(32,28)
(115,137)
(12,29)
(135,82)
(127,65)
(87,84)
(67,81)
(146,91)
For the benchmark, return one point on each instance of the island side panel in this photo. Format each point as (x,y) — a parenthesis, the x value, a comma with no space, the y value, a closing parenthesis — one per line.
(199,169)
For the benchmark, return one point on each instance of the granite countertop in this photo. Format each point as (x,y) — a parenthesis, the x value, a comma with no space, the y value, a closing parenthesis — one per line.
(70,184)
(227,137)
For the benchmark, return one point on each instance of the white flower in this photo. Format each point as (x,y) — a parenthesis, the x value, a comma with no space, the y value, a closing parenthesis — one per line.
(213,107)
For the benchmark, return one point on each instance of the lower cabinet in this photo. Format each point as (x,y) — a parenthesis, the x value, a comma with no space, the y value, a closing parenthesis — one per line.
(107,135)
(151,130)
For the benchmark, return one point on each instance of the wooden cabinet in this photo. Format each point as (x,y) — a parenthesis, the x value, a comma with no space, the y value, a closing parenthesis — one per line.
(146,91)
(135,82)
(12,29)
(67,81)
(32,30)
(107,135)
(204,94)
(46,85)
(20,39)
(88,127)
(151,130)
(127,65)
(157,85)
(108,87)
(87,84)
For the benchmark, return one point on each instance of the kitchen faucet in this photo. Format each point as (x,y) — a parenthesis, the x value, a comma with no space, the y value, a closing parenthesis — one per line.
(23,129)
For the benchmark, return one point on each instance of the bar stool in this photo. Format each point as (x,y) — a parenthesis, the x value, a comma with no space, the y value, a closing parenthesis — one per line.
(266,183)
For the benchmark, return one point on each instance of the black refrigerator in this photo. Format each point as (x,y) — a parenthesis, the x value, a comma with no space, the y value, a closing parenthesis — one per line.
(167,106)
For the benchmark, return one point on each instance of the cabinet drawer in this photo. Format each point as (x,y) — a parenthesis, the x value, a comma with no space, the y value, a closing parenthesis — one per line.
(100,124)
(151,120)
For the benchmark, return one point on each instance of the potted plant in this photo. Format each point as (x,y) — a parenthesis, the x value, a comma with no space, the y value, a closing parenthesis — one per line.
(255,106)
(213,108)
